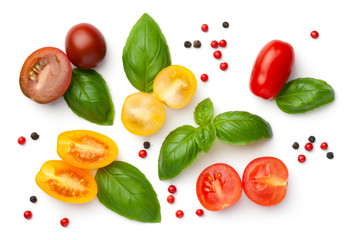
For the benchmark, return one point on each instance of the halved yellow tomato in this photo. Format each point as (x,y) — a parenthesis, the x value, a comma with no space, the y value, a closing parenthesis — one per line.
(66,183)
(175,86)
(142,114)
(86,149)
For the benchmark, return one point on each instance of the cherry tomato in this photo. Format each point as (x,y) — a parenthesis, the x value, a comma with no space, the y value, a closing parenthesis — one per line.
(218,187)
(85,46)
(265,181)
(272,68)
(45,75)
(66,183)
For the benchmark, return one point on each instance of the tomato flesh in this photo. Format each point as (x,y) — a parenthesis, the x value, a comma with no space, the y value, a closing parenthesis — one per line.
(218,187)
(86,149)
(45,75)
(66,183)
(272,68)
(265,181)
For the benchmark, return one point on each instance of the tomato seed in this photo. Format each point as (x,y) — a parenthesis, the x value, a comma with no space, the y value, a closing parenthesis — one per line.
(222,43)
(170,199)
(197,44)
(324,146)
(64,222)
(187,44)
(214,44)
(204,77)
(142,153)
(179,214)
(146,144)
(34,136)
(27,214)
(311,139)
(314,34)
(309,146)
(225,24)
(223,66)
(295,145)
(329,155)
(199,212)
(301,158)
(172,189)
(33,199)
(21,140)
(217,54)
(204,27)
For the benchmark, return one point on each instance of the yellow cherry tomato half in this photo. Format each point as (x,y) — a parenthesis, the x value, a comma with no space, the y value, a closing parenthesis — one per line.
(175,86)
(142,114)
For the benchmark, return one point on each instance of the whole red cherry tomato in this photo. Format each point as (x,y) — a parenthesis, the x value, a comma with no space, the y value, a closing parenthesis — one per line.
(85,46)
(272,68)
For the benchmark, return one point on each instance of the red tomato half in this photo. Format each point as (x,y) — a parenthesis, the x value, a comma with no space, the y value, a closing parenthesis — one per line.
(265,181)
(272,68)
(45,75)
(85,46)
(218,187)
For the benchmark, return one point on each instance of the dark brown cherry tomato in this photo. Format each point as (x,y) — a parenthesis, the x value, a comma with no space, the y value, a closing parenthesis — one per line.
(45,75)
(85,46)
(272,68)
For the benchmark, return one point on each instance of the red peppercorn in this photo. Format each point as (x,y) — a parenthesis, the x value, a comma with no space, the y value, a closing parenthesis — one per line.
(172,189)
(217,54)
(64,222)
(214,44)
(204,27)
(309,146)
(222,43)
(223,66)
(179,214)
(314,34)
(21,140)
(170,199)
(301,158)
(324,146)
(199,212)
(204,77)
(27,214)
(142,153)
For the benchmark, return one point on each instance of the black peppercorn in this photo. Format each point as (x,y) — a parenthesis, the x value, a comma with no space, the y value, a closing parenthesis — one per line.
(34,136)
(33,199)
(187,44)
(311,139)
(295,145)
(146,145)
(329,155)
(225,25)
(197,44)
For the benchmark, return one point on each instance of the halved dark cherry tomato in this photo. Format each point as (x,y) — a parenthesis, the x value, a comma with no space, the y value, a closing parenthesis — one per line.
(218,187)
(86,149)
(45,75)
(265,181)
(66,183)
(272,68)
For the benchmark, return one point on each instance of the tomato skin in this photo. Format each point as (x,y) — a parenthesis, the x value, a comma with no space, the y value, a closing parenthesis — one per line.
(85,46)
(66,183)
(265,181)
(86,149)
(272,68)
(218,187)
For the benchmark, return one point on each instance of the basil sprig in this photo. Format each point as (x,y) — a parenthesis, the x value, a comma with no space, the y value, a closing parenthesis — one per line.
(182,146)
(304,94)
(125,190)
(145,54)
(88,97)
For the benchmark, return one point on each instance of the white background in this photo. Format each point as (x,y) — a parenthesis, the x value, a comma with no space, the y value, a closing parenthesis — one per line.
(318,202)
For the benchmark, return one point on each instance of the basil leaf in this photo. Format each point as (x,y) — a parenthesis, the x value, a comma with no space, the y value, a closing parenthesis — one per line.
(179,150)
(304,94)
(145,54)
(239,128)
(205,137)
(125,190)
(88,97)
(204,112)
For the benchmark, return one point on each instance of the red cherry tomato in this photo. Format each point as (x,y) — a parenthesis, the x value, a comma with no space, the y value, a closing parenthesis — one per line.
(218,187)
(85,46)
(272,68)
(45,75)
(265,181)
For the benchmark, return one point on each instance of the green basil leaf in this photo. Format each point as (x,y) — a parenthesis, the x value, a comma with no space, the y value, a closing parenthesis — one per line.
(239,128)
(204,112)
(304,94)
(205,137)
(125,190)
(179,150)
(88,97)
(145,53)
